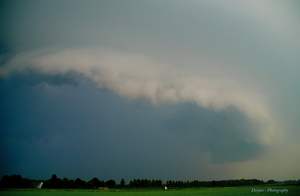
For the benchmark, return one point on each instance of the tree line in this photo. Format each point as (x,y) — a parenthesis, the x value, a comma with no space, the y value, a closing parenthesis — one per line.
(16,181)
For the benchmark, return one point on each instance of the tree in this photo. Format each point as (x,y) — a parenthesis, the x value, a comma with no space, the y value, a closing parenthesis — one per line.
(94,183)
(138,182)
(5,182)
(81,184)
(110,183)
(72,184)
(153,183)
(158,183)
(122,183)
(97,182)
(56,182)
(53,181)
(90,184)
(60,183)
(26,183)
(15,181)
(66,182)
(271,182)
(214,183)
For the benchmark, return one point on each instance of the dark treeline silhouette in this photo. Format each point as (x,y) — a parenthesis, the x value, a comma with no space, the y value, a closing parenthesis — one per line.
(144,183)
(16,181)
(221,183)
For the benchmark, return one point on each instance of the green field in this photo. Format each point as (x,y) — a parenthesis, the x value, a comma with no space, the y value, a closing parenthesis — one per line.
(226,191)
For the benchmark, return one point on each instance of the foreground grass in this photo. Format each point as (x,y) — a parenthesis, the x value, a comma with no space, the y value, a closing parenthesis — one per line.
(226,191)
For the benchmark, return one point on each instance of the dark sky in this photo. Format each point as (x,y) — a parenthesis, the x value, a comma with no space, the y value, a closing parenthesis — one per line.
(171,90)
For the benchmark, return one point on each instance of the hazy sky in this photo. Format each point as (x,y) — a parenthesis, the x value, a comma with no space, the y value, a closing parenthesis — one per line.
(170,90)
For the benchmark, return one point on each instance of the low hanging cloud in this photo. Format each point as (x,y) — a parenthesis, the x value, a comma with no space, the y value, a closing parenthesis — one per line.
(137,76)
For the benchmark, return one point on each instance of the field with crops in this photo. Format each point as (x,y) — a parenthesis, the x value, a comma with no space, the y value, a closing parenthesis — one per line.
(226,191)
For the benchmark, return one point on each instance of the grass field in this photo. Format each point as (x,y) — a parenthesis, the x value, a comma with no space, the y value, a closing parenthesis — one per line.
(226,191)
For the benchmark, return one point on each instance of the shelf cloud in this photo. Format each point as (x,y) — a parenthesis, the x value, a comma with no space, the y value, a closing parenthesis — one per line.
(137,76)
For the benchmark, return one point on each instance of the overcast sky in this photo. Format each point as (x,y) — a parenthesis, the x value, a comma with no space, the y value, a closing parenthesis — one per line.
(170,90)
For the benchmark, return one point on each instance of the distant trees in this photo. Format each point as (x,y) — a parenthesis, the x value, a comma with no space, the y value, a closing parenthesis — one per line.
(16,181)
(5,182)
(54,182)
(110,183)
(221,183)
(271,182)
(66,182)
(144,183)
(57,183)
(95,183)
(122,183)
(80,184)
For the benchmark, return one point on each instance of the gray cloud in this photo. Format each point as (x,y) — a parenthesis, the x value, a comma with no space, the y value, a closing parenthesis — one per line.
(226,135)
(137,76)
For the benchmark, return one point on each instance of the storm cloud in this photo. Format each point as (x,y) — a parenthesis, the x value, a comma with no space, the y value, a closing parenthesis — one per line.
(136,76)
